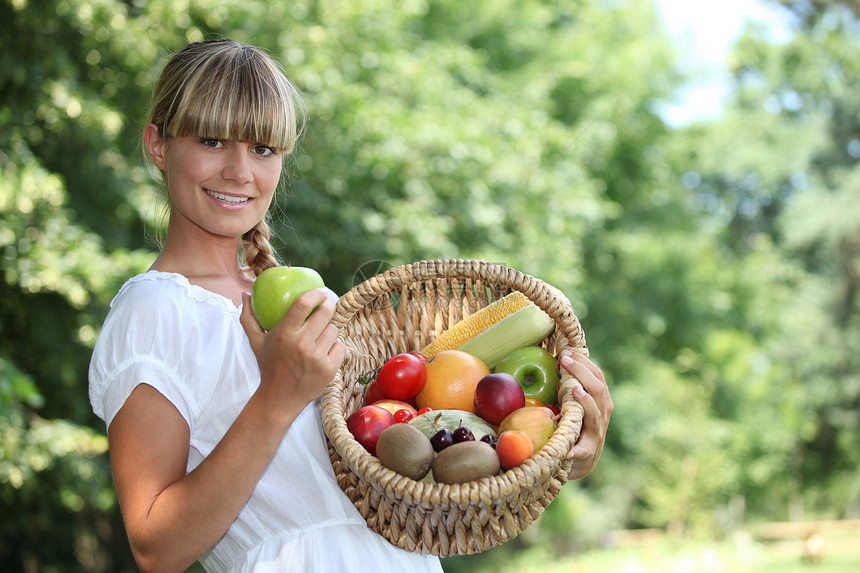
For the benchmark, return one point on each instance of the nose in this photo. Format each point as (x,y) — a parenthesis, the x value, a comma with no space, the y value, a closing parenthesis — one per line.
(237,165)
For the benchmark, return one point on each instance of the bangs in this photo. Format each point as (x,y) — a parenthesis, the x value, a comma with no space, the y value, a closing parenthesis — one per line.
(241,96)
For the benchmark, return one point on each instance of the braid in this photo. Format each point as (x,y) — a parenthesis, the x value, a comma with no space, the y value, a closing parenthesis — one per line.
(258,250)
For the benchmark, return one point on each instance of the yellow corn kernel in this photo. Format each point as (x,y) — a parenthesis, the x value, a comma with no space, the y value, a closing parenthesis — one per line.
(471,326)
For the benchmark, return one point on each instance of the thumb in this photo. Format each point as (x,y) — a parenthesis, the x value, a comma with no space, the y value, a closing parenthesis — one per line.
(256,334)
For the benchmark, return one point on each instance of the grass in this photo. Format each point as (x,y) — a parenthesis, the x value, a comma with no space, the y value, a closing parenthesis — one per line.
(828,564)
(739,555)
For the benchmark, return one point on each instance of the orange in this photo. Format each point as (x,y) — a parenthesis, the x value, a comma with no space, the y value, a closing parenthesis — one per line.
(452,376)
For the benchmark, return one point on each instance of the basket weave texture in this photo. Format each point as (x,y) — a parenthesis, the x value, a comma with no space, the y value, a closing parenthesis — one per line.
(404,309)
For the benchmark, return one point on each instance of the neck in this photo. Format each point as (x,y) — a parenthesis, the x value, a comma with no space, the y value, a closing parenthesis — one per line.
(210,262)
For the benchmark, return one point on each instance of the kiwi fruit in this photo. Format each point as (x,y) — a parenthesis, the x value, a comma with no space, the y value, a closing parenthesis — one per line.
(465,461)
(406,450)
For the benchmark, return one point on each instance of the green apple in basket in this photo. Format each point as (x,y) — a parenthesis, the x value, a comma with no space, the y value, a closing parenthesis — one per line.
(277,288)
(535,369)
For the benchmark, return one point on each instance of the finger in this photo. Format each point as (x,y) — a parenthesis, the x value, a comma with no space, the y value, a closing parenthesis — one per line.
(327,337)
(321,314)
(592,426)
(593,384)
(586,361)
(247,318)
(255,333)
(338,352)
(304,307)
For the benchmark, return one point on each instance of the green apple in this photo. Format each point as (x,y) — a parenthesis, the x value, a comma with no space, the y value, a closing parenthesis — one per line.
(277,288)
(535,370)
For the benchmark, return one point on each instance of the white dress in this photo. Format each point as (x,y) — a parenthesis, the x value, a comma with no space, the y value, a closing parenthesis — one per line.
(187,343)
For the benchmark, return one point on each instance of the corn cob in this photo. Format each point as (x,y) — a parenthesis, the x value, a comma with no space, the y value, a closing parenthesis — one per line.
(473,325)
(501,327)
(525,327)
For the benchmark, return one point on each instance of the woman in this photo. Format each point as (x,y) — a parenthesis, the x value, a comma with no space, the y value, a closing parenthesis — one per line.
(215,431)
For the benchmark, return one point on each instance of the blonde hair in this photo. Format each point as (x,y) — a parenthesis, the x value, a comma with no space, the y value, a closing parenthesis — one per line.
(223,89)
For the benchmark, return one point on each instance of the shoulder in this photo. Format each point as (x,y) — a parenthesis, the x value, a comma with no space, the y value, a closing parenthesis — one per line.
(167,295)
(155,288)
(150,335)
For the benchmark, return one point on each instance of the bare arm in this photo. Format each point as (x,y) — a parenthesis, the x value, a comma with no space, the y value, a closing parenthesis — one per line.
(173,518)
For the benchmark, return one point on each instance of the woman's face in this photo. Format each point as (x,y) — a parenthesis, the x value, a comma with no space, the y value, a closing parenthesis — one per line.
(223,188)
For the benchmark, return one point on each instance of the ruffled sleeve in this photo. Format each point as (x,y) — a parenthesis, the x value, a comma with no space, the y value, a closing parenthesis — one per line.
(147,338)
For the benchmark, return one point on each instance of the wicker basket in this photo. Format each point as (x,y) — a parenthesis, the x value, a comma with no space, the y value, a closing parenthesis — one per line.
(403,309)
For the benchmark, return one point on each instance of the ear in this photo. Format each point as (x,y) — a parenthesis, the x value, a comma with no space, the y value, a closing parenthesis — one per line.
(154,144)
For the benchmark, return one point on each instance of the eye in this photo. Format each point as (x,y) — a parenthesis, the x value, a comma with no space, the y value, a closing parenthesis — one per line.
(212,142)
(264,150)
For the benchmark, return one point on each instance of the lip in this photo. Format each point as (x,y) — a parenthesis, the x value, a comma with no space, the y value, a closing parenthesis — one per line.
(228,200)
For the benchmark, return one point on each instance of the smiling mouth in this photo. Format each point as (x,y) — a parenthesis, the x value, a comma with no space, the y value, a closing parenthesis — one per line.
(226,198)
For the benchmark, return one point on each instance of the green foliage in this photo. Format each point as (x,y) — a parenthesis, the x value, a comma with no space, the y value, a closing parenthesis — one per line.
(714,267)
(780,170)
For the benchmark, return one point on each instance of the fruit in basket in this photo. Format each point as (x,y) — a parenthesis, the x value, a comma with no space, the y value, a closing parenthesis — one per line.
(372,394)
(497,395)
(463,434)
(466,461)
(538,422)
(452,376)
(506,324)
(536,371)
(394,405)
(431,422)
(404,449)
(275,290)
(418,355)
(513,447)
(367,423)
(403,415)
(402,376)
(489,439)
(441,439)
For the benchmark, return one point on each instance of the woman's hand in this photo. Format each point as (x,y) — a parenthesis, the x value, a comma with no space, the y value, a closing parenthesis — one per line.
(594,396)
(300,355)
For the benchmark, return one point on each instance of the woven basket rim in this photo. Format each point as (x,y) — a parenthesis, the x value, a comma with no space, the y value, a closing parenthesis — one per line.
(545,464)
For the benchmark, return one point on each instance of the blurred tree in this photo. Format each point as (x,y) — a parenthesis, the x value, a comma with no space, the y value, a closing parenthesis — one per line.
(778,173)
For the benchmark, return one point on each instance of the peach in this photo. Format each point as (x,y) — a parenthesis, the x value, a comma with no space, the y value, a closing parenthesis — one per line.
(536,421)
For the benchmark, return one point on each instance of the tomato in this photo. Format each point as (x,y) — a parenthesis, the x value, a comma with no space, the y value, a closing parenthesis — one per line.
(401,377)
(419,356)
(372,394)
(403,415)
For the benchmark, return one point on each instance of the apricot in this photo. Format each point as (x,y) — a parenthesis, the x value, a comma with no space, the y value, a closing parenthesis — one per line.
(513,447)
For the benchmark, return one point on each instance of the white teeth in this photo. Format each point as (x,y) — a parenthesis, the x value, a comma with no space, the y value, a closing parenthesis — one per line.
(227,198)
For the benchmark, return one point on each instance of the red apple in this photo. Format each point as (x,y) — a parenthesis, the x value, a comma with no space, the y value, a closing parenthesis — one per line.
(497,395)
(367,423)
